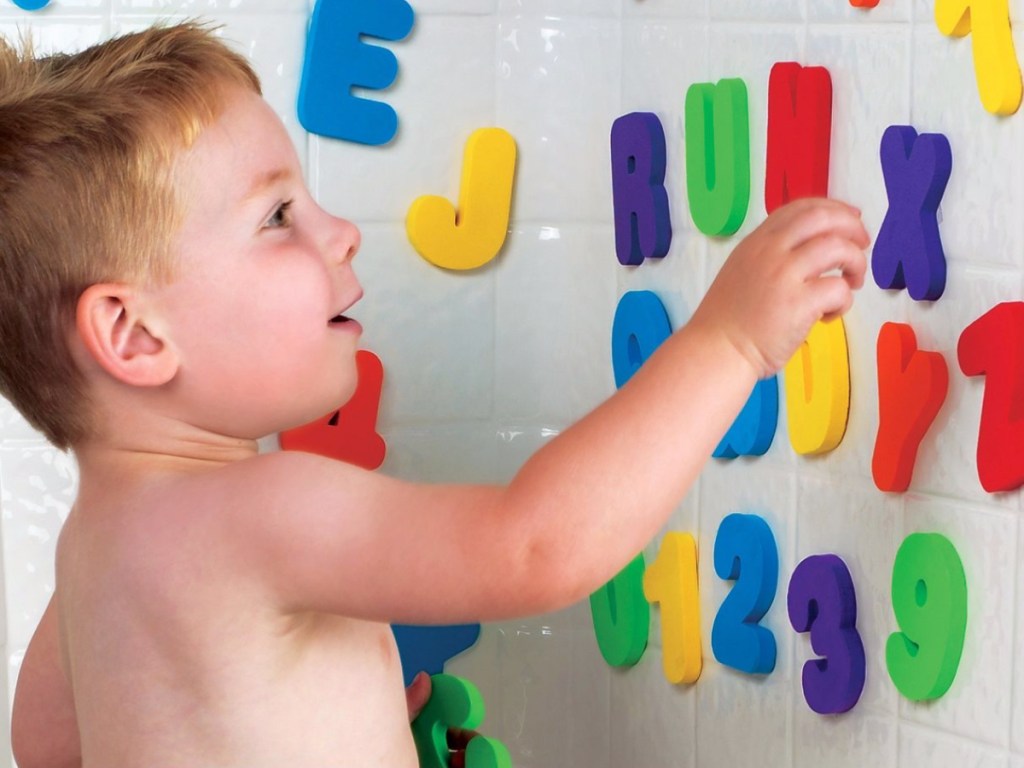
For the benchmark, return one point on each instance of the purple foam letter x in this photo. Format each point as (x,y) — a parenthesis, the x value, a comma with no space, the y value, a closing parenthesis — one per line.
(908,251)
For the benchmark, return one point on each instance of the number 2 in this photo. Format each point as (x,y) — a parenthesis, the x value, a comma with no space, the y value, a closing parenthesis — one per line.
(745,551)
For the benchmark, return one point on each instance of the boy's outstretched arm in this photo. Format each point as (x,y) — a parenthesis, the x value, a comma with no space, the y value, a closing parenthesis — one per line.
(340,540)
(44,728)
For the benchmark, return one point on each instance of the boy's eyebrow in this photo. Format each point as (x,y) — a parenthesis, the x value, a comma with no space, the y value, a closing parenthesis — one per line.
(266,179)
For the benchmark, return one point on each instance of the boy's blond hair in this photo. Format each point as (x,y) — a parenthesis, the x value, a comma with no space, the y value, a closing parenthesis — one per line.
(88,143)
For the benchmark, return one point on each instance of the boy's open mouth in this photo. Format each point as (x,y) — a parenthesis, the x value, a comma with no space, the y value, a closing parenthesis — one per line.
(339,319)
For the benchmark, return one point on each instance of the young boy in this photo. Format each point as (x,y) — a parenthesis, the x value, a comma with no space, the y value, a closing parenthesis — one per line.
(169,293)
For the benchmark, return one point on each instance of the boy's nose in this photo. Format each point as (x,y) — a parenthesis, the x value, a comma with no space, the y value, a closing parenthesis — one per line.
(345,241)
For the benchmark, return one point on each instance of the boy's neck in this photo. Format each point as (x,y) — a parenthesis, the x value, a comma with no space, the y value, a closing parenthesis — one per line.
(120,458)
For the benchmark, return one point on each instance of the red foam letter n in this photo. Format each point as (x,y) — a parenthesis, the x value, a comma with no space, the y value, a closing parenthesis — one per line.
(799,133)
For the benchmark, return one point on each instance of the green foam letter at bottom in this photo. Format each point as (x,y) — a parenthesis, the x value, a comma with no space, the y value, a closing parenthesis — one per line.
(455,703)
(929,598)
(622,616)
(718,155)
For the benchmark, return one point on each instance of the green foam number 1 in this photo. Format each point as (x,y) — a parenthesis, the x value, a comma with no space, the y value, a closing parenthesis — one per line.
(718,155)
(929,598)
(622,616)
(455,703)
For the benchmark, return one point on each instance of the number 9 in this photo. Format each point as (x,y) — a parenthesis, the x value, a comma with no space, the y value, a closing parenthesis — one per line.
(929,598)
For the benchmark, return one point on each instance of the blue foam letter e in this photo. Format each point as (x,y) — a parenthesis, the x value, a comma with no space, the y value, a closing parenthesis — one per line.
(337,59)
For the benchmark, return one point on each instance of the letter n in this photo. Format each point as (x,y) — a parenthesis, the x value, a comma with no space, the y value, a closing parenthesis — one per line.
(799,133)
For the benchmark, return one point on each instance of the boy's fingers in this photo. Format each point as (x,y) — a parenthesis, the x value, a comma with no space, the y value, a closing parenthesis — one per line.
(832,297)
(418,694)
(830,253)
(806,219)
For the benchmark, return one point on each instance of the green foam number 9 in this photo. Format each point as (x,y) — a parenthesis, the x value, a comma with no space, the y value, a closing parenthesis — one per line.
(929,598)
(622,616)
(718,155)
(455,703)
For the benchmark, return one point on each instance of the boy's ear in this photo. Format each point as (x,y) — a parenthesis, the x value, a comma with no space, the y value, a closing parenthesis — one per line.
(118,329)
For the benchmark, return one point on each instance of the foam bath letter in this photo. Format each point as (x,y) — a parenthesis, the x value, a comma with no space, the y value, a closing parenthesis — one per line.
(641,324)
(908,250)
(643,227)
(929,598)
(718,155)
(348,434)
(745,551)
(455,703)
(428,649)
(671,581)
(818,389)
(822,601)
(622,616)
(754,429)
(993,345)
(995,61)
(471,236)
(799,133)
(31,5)
(338,59)
(912,386)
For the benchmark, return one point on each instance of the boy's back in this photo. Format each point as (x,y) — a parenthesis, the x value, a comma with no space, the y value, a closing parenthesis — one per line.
(181,656)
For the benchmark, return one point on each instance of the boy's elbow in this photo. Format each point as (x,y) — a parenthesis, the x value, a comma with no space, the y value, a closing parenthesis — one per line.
(553,577)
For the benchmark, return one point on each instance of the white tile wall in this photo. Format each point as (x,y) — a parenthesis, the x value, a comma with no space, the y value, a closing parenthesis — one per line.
(483,368)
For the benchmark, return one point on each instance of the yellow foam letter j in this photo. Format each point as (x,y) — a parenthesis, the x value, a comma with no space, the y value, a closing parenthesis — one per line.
(471,236)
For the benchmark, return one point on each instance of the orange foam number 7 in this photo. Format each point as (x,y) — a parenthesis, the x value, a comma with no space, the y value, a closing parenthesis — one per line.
(995,62)
(471,236)
(455,703)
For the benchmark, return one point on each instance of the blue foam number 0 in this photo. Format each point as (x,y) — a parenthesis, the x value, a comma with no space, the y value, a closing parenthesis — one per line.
(641,324)
(745,552)
(822,601)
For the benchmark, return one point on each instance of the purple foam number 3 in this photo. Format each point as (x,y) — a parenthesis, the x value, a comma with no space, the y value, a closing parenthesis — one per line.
(822,601)
(908,251)
(643,227)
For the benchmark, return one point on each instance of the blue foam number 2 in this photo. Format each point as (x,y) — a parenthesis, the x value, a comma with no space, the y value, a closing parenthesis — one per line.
(338,59)
(745,551)
(31,5)
(822,601)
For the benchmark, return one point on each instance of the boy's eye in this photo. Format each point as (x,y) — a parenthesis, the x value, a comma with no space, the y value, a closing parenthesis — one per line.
(281,217)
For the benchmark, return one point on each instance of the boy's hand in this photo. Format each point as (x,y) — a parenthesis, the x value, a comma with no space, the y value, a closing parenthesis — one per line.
(417,694)
(800,266)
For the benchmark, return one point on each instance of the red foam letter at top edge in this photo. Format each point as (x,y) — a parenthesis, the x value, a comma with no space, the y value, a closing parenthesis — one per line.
(799,133)
(993,345)
(348,434)
(912,386)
